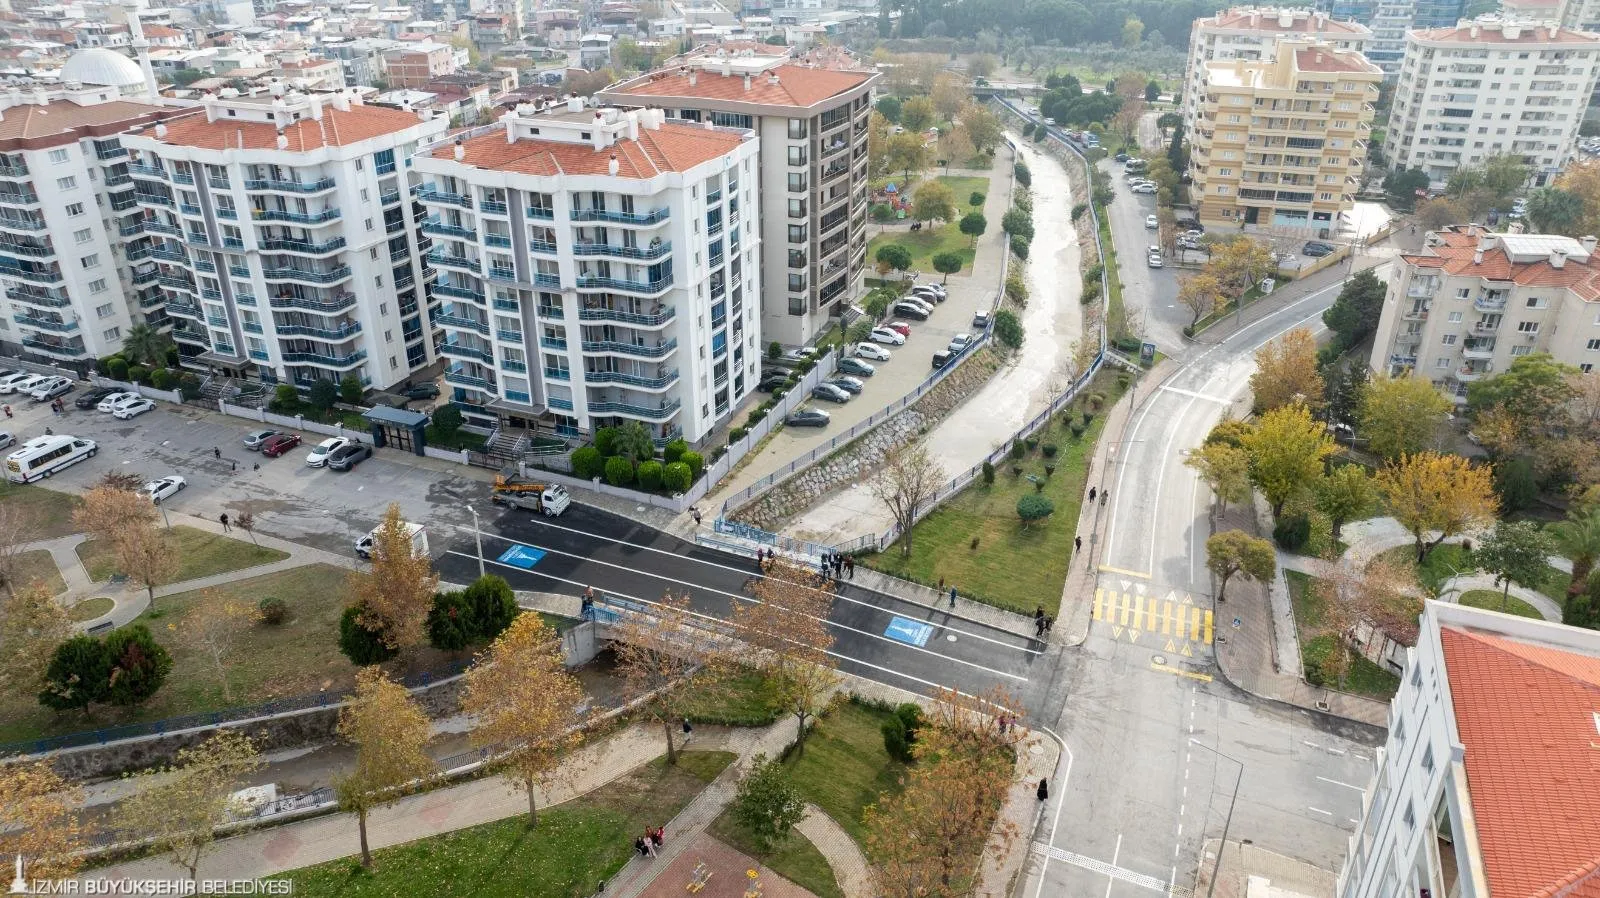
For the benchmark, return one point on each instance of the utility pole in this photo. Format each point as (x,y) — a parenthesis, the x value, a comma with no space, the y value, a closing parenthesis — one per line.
(1228,821)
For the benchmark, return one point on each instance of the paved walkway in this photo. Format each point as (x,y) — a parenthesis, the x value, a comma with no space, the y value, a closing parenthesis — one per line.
(1242,862)
(849,865)
(1547,607)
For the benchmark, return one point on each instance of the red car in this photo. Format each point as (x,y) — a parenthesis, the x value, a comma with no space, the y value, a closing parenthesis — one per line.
(900,327)
(278,445)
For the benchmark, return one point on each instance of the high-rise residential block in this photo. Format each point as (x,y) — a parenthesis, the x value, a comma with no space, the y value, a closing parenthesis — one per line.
(1491,87)
(283,231)
(597,267)
(1282,144)
(812,123)
(1390,20)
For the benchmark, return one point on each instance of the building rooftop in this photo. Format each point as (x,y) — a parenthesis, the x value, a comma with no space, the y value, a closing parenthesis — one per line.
(32,121)
(1295,57)
(1282,21)
(1317,60)
(1490,30)
(335,127)
(776,85)
(1528,716)
(1524,259)
(667,148)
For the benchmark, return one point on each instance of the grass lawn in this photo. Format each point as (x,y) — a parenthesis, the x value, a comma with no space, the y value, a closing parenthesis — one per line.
(1011,567)
(576,845)
(930,241)
(748,699)
(200,554)
(1364,677)
(1450,560)
(1112,276)
(49,513)
(89,609)
(1308,603)
(844,766)
(962,187)
(37,565)
(795,858)
(1491,599)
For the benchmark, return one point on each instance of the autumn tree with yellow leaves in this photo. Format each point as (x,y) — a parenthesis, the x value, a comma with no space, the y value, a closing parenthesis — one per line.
(1287,448)
(1286,373)
(787,626)
(1431,493)
(178,808)
(397,593)
(390,734)
(40,820)
(668,661)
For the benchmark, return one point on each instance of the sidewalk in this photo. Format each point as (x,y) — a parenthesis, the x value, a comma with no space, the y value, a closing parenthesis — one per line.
(1242,862)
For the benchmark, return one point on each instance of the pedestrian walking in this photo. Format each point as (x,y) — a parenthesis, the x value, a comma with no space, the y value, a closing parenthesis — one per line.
(952,595)
(1049,623)
(850,566)
(224,519)
(1038,613)
(1092,492)
(1104,496)
(694,511)
(55,409)
(688,731)
(1077,544)
(216,453)
(1043,791)
(838,566)
(8,411)
(1038,628)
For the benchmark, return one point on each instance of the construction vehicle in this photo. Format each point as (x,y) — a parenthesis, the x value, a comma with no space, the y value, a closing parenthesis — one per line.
(419,540)
(516,491)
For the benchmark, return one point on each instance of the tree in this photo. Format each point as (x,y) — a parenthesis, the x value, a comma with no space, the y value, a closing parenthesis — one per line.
(1286,451)
(179,807)
(668,661)
(447,419)
(1433,493)
(947,263)
(888,107)
(1534,391)
(1238,264)
(1152,91)
(1384,594)
(1132,32)
(981,65)
(1033,507)
(956,146)
(973,224)
(950,95)
(1008,329)
(144,554)
(40,819)
(878,135)
(1578,538)
(893,256)
(1199,294)
(933,200)
(983,126)
(916,115)
(1286,373)
(105,513)
(1504,175)
(1354,314)
(1437,214)
(767,804)
(32,625)
(1400,415)
(1236,552)
(324,394)
(527,704)
(1403,183)
(906,485)
(137,665)
(144,344)
(360,643)
(1018,222)
(634,442)
(1346,494)
(76,675)
(1515,552)
(1224,468)
(390,734)
(1126,122)
(351,389)
(1583,179)
(214,625)
(1556,211)
(1345,389)
(906,154)
(786,626)
(450,625)
(397,593)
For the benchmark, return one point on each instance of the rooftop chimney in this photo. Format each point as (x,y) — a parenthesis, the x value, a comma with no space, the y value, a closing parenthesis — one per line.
(1511,31)
(747,81)
(1558,258)
(1473,31)
(694,76)
(1285,18)
(1588,244)
(161,129)
(1485,241)
(1477,257)
(283,141)
(613,166)
(315,101)
(772,78)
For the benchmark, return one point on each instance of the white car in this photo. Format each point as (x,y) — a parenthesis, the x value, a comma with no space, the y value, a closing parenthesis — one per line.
(1143,188)
(117,400)
(318,456)
(887,337)
(874,351)
(133,409)
(25,384)
(1151,223)
(7,440)
(8,384)
(165,488)
(1155,260)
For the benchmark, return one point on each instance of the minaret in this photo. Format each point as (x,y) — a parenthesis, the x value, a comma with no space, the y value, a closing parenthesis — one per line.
(142,48)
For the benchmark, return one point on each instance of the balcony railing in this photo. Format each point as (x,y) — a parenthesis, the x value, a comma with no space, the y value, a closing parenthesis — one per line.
(45,324)
(429,194)
(656,319)
(339,303)
(654,251)
(467,352)
(345,331)
(444,319)
(557,374)
(147,171)
(8,223)
(501,240)
(505,336)
(553,343)
(559,402)
(637,218)
(152,199)
(494,207)
(632,380)
(26,249)
(36,276)
(326,361)
(458,292)
(661,350)
(299,274)
(461,378)
(39,296)
(439,228)
(648,287)
(514,365)
(28,198)
(303,246)
(440,257)
(290,186)
(69,348)
(667,409)
(319,217)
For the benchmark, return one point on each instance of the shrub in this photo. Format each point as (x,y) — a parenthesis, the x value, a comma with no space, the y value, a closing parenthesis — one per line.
(587,463)
(1017,449)
(1049,470)
(102,365)
(649,474)
(619,471)
(1034,507)
(189,386)
(1019,247)
(450,624)
(1027,129)
(895,742)
(494,606)
(696,463)
(976,199)
(910,714)
(139,373)
(117,368)
(1007,329)
(1049,450)
(988,472)
(1024,177)
(139,665)
(447,419)
(1077,430)
(605,439)
(674,450)
(676,477)
(361,645)
(1096,400)
(324,394)
(1079,209)
(162,379)
(274,612)
(1292,532)
(1032,443)
(774,349)
(285,399)
(1016,470)
(76,675)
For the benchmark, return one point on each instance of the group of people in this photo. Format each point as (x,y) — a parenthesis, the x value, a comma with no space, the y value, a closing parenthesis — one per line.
(1042,623)
(842,566)
(652,841)
(57,406)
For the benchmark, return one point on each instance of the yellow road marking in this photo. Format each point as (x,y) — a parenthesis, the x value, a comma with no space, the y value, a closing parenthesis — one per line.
(1123,603)
(1105,568)
(1186,652)
(1208,626)
(1166,668)
(1167,612)
(1171,646)
(1138,613)
(1099,603)
(1194,623)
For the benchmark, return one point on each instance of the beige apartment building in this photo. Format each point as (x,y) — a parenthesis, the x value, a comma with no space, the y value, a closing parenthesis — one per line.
(1472,301)
(1281,145)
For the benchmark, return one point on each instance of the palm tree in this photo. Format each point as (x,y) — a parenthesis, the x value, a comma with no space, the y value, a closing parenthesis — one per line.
(634,442)
(144,344)
(1578,538)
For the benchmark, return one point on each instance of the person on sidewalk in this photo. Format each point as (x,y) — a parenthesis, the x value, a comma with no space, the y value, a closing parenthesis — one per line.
(1104,496)
(1049,623)
(216,452)
(952,595)
(224,519)
(586,606)
(1077,545)
(649,843)
(1092,493)
(640,846)
(850,566)
(1043,791)
(1038,628)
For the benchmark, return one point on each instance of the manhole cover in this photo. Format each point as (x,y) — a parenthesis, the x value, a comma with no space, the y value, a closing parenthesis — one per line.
(950,637)
(1159,659)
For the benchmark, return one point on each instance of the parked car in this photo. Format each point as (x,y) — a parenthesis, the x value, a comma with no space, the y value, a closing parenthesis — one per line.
(927,293)
(847,383)
(887,337)
(10,382)
(980,320)
(165,488)
(796,356)
(807,417)
(935,286)
(1154,260)
(773,382)
(914,311)
(50,388)
(348,456)
(1151,223)
(902,327)
(26,384)
(960,343)
(117,400)
(942,358)
(926,305)
(318,456)
(130,410)
(1145,189)
(1121,157)
(830,392)
(1316,249)
(91,398)
(872,351)
(1190,243)
(275,446)
(255,438)
(420,391)
(856,367)
(7,440)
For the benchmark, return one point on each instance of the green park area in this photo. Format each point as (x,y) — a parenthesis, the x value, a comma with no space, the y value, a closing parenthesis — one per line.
(936,238)
(199,554)
(47,513)
(1494,600)
(1320,646)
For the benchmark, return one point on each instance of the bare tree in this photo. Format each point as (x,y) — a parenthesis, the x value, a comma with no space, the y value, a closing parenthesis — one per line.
(787,626)
(246,521)
(664,656)
(909,480)
(33,624)
(16,523)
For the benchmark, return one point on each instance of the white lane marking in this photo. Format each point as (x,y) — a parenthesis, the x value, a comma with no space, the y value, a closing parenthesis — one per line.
(1060,803)
(1337,783)
(1194,395)
(742,572)
(1319,810)
(1050,852)
(837,626)
(1116,853)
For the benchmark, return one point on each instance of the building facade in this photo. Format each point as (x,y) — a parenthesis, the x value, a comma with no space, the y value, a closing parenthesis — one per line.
(68,234)
(1491,87)
(812,123)
(1282,145)
(415,65)
(1486,784)
(284,233)
(597,267)
(1253,33)
(1471,302)
(1390,20)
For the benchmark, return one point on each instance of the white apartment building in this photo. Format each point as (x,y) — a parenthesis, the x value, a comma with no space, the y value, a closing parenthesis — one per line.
(597,267)
(1390,20)
(1583,15)
(812,123)
(66,200)
(1491,87)
(1487,784)
(1472,301)
(282,229)
(1253,33)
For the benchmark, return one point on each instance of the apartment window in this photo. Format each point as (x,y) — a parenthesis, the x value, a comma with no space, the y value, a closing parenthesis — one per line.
(798,129)
(98,285)
(1521,351)
(83,236)
(369,224)
(1527,327)
(1535,302)
(74,208)
(797,305)
(388,336)
(1410,817)
(797,233)
(1224,172)
(1594,346)
(67,183)
(377,280)
(105,311)
(1586,367)
(797,155)
(1463,293)
(90,261)
(1427,759)
(112,333)
(797,182)
(58,156)
(1449,339)
(1441,362)
(393,364)
(1455,317)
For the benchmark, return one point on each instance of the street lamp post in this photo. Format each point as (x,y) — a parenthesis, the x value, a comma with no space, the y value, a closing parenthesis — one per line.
(1228,821)
(477,535)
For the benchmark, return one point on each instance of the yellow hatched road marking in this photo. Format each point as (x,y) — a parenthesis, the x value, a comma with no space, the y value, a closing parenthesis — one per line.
(1138,613)
(1194,623)
(1208,626)
(1099,604)
(1166,668)
(1122,603)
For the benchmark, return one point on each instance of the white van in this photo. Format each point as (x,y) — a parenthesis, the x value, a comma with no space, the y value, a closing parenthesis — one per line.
(42,457)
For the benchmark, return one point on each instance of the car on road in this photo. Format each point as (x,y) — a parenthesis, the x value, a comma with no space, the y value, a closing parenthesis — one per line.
(911,310)
(959,343)
(830,392)
(318,456)
(807,417)
(1143,188)
(117,400)
(887,337)
(348,456)
(134,409)
(275,446)
(165,488)
(91,398)
(847,383)
(900,327)
(1154,260)
(773,382)
(50,388)
(1151,223)
(1316,249)
(856,367)
(800,354)
(420,391)
(255,438)
(870,350)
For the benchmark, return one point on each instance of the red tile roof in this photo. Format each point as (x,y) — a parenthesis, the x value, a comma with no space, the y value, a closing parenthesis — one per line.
(1312,59)
(797,86)
(31,121)
(1526,716)
(1530,34)
(1267,21)
(669,148)
(335,129)
(1455,256)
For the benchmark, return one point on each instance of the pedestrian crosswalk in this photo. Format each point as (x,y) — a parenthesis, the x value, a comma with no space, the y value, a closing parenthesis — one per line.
(1172,618)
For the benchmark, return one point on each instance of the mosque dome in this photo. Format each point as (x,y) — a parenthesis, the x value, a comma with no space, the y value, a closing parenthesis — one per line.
(103,67)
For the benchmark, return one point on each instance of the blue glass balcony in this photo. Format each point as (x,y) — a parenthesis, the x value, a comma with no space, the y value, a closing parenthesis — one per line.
(296,217)
(459,351)
(440,229)
(634,218)
(45,324)
(646,287)
(315,277)
(648,352)
(429,193)
(622,252)
(339,303)
(445,319)
(665,410)
(291,186)
(632,380)
(458,292)
(460,377)
(326,361)
(339,334)
(303,246)
(557,373)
